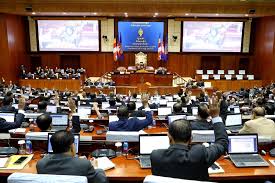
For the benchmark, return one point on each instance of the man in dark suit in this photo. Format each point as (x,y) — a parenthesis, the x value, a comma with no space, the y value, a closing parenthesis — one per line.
(7,105)
(63,161)
(5,126)
(132,110)
(202,122)
(133,124)
(185,162)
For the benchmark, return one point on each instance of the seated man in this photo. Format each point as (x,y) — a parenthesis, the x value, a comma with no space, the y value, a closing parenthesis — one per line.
(259,124)
(184,162)
(42,107)
(64,162)
(202,123)
(5,126)
(44,122)
(7,105)
(133,124)
(132,110)
(145,103)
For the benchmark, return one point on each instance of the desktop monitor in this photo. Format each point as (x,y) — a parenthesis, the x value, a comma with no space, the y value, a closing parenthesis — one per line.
(164,111)
(84,110)
(51,109)
(150,142)
(9,117)
(59,119)
(76,142)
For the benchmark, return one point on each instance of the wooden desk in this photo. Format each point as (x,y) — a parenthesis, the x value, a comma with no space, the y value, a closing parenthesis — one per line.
(59,84)
(136,78)
(234,85)
(129,170)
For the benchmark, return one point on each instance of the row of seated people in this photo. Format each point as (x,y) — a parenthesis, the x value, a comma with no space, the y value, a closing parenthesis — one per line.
(179,131)
(138,68)
(49,73)
(89,83)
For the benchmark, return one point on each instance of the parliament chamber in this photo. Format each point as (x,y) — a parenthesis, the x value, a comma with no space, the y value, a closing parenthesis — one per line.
(137,91)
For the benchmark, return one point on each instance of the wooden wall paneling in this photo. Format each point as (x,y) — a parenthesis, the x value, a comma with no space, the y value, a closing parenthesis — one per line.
(51,60)
(4,59)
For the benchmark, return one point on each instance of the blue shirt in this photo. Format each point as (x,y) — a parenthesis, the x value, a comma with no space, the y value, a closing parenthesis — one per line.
(133,124)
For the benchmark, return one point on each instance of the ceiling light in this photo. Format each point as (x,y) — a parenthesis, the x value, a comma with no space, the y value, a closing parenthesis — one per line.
(95,13)
(217,14)
(246,15)
(186,14)
(156,14)
(33,13)
(64,13)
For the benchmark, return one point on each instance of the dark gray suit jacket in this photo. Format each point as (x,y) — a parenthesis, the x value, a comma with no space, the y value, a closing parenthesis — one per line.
(180,161)
(61,164)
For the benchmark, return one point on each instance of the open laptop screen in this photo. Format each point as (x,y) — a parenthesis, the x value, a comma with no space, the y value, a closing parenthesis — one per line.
(59,119)
(51,109)
(164,111)
(233,120)
(175,117)
(9,117)
(148,143)
(243,144)
(76,142)
(84,110)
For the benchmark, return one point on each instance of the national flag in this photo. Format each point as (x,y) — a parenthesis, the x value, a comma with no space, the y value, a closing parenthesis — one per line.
(115,50)
(159,49)
(165,53)
(119,48)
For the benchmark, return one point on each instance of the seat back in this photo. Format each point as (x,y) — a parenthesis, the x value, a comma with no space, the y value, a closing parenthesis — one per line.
(45,178)
(160,179)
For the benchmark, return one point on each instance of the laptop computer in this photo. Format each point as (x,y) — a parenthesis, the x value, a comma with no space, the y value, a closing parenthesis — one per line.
(175,117)
(148,143)
(84,111)
(51,108)
(76,143)
(9,117)
(243,150)
(163,112)
(233,122)
(59,122)
(195,111)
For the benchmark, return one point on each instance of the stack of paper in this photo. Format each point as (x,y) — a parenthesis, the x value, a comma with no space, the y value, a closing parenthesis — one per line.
(103,163)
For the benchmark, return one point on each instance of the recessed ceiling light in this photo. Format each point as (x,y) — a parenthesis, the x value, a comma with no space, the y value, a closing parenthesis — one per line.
(156,14)
(217,14)
(33,13)
(186,14)
(246,15)
(95,13)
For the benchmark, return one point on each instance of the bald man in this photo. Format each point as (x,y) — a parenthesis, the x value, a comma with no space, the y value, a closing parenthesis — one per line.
(259,124)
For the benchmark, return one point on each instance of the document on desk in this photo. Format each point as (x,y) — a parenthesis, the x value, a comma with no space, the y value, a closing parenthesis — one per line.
(104,163)
(11,166)
(3,162)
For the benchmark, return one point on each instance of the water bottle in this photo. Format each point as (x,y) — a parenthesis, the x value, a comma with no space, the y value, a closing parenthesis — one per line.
(28,146)
(125,148)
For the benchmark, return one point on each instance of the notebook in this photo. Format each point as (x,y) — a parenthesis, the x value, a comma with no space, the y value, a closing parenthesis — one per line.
(148,143)
(76,143)
(233,122)
(243,150)
(59,121)
(9,117)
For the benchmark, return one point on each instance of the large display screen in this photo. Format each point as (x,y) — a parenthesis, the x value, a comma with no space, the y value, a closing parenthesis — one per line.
(140,36)
(68,35)
(203,36)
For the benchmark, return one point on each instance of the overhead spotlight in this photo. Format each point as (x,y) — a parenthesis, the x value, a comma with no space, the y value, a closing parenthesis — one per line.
(33,13)
(156,14)
(217,14)
(186,14)
(246,15)
(95,13)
